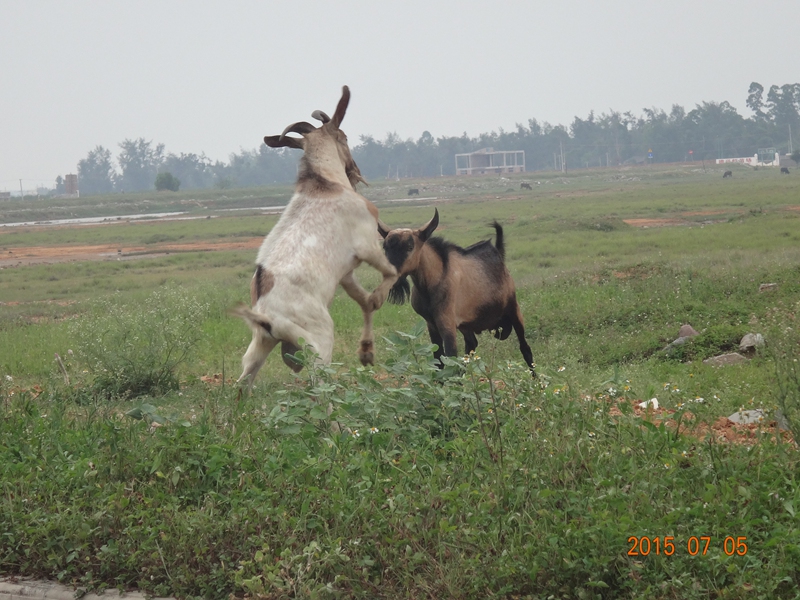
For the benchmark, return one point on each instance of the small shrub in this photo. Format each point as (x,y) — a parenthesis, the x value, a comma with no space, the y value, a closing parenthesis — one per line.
(167,182)
(132,351)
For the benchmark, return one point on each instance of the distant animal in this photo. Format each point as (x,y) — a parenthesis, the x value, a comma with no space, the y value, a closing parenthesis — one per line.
(525,186)
(784,170)
(413,191)
(727,174)
(325,232)
(455,289)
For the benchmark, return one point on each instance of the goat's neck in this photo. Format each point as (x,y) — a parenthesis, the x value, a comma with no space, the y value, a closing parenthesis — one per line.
(430,271)
(328,166)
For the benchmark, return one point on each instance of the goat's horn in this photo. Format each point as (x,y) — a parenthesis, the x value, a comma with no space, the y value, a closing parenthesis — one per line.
(426,231)
(341,108)
(320,116)
(300,127)
(383,229)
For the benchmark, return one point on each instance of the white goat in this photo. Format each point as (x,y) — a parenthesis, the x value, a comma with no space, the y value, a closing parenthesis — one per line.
(326,231)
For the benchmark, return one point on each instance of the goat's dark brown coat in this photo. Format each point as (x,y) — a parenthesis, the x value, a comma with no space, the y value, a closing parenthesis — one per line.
(455,289)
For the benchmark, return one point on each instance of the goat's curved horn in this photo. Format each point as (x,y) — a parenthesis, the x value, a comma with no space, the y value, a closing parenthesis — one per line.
(341,108)
(320,116)
(426,231)
(276,141)
(300,127)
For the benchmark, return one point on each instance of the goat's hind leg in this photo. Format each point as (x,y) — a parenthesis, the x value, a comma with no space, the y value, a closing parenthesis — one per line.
(366,347)
(470,341)
(253,359)
(519,329)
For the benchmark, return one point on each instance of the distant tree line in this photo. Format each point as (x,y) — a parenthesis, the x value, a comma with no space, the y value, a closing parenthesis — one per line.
(711,130)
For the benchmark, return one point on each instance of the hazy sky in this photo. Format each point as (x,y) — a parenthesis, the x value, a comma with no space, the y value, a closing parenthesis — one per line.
(215,77)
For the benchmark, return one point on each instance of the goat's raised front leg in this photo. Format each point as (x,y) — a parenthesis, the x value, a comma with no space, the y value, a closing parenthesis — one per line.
(366,348)
(375,258)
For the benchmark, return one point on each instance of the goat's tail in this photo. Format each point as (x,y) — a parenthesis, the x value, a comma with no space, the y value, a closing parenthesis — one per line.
(499,243)
(256,321)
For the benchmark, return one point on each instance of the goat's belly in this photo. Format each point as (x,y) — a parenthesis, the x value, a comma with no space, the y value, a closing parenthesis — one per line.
(483,318)
(479,325)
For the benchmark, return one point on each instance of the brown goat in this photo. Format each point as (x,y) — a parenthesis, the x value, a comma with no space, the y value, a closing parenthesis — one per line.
(455,289)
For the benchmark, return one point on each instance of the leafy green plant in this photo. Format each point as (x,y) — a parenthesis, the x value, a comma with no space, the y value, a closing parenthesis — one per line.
(135,350)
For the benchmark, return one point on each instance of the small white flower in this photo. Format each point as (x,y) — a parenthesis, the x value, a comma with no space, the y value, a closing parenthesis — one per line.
(355,433)
(373,430)
(9,378)
(560,369)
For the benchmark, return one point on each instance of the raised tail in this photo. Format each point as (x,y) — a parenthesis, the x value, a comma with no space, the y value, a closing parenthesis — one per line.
(256,321)
(499,243)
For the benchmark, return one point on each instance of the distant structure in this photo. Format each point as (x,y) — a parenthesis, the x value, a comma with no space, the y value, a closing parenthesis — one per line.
(5,195)
(765,157)
(71,186)
(489,162)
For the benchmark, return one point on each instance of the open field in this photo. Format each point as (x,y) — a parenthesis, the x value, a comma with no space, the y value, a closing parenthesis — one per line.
(478,481)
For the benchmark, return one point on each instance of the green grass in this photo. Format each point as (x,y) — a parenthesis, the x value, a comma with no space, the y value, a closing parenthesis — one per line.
(537,498)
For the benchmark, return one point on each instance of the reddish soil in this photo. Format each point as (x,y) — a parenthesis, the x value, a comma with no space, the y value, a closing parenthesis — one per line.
(655,222)
(723,430)
(33,255)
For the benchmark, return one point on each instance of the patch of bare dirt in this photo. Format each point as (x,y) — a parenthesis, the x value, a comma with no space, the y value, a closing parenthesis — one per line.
(722,430)
(13,257)
(702,213)
(656,222)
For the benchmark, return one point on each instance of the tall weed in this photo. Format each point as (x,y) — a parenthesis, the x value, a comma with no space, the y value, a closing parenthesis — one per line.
(132,350)
(784,346)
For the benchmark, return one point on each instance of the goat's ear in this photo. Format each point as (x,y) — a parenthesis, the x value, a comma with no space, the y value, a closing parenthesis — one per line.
(341,108)
(300,127)
(277,141)
(320,116)
(427,231)
(383,229)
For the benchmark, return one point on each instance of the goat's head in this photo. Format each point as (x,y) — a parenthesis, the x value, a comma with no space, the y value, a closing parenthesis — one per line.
(324,144)
(403,248)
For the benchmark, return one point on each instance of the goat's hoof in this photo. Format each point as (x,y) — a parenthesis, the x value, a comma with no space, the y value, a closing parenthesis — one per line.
(366,353)
(375,301)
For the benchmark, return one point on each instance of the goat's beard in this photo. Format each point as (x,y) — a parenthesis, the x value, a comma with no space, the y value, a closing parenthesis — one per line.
(400,291)
(354,174)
